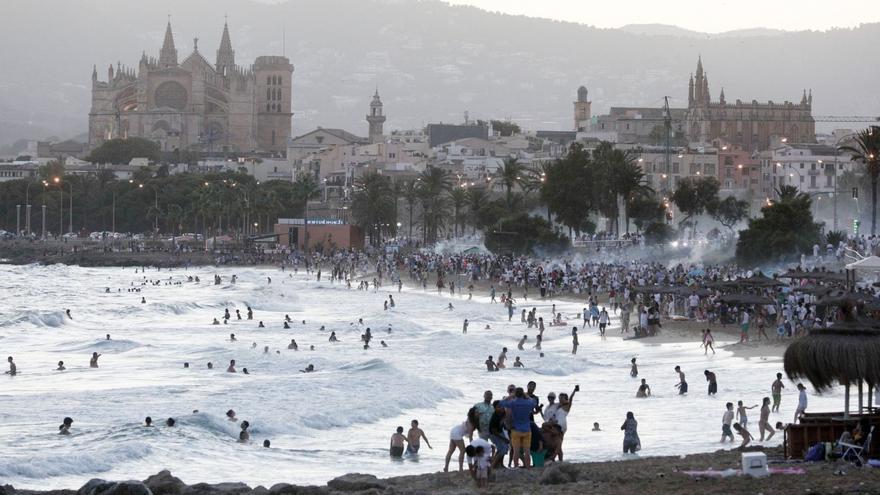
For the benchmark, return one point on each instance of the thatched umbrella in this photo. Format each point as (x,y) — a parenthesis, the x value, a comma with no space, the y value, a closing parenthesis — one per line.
(760,280)
(846,353)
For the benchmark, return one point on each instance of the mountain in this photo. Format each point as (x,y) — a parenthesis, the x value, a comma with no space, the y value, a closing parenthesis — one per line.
(431,61)
(668,30)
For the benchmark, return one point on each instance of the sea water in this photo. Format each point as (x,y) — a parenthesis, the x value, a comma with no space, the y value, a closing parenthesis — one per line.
(323,424)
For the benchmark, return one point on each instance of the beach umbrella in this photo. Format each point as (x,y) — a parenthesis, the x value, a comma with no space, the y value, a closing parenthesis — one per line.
(845,353)
(699,291)
(796,274)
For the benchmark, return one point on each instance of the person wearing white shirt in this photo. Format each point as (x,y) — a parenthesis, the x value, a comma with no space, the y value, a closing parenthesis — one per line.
(802,402)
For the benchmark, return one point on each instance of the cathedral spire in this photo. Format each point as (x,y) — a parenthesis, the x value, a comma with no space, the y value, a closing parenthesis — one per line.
(691,91)
(168,54)
(225,55)
(721,97)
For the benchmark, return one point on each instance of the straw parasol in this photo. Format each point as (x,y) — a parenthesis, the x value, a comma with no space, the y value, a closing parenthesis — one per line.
(760,280)
(745,299)
(846,353)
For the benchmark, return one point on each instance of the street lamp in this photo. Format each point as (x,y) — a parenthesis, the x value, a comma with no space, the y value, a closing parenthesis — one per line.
(57,181)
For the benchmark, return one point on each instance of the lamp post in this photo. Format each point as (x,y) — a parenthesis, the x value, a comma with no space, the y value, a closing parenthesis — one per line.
(156,206)
(27,207)
(57,181)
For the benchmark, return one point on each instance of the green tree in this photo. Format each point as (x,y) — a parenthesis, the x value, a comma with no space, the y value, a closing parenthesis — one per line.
(568,189)
(866,150)
(121,151)
(729,211)
(525,234)
(512,174)
(505,128)
(477,199)
(693,195)
(433,185)
(785,228)
(618,174)
(458,198)
(644,210)
(373,204)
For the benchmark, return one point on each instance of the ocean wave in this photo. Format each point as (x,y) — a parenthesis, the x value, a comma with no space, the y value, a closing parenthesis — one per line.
(103,345)
(37,318)
(37,466)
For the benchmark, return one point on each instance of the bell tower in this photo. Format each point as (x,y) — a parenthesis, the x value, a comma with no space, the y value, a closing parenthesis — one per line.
(376,119)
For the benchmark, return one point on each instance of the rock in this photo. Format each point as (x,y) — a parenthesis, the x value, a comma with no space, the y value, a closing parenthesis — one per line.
(164,483)
(101,487)
(558,474)
(218,489)
(287,489)
(7,490)
(356,482)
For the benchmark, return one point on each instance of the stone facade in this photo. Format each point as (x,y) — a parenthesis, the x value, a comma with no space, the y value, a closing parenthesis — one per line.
(751,126)
(194,105)
(582,111)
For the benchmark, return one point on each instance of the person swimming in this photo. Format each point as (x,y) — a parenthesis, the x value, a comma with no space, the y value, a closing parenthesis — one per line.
(261,325)
(634,370)
(67,311)
(287,318)
(333,337)
(64,429)
(266,350)
(170,422)
(286,326)
(231,368)
(237,314)
(244,436)
(383,343)
(244,371)
(295,347)
(60,366)
(266,443)
(230,415)
(210,365)
(108,336)
(232,337)
(143,300)
(216,322)
(148,421)
(309,369)
(93,363)
(186,365)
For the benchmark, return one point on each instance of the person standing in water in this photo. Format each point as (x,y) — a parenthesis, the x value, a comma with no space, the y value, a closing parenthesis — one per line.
(397,443)
(743,418)
(414,437)
(726,422)
(776,391)
(464,326)
(764,422)
(13,370)
(634,370)
(708,341)
(713,384)
(682,383)
(574,340)
(631,441)
(231,368)
(93,363)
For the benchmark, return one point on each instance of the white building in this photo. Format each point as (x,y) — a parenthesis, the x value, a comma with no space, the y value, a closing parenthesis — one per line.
(812,168)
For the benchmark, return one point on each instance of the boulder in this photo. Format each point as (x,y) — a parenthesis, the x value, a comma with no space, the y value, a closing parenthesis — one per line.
(218,489)
(164,483)
(356,482)
(101,487)
(559,473)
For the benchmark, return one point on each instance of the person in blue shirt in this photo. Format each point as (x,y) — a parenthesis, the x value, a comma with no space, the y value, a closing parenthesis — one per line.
(521,409)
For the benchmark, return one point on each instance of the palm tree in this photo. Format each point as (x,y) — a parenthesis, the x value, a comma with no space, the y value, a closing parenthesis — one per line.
(459,198)
(305,188)
(866,149)
(477,197)
(512,174)
(433,184)
(175,215)
(373,204)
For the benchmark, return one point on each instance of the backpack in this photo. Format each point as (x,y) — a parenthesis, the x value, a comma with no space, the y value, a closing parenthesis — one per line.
(816,453)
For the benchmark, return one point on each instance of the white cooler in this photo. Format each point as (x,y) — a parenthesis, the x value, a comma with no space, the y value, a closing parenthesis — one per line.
(755,464)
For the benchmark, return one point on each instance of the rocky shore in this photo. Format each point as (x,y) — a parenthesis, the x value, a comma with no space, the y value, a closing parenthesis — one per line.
(649,475)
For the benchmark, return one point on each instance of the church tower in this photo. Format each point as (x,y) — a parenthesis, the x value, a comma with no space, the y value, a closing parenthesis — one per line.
(376,119)
(582,110)
(225,55)
(168,54)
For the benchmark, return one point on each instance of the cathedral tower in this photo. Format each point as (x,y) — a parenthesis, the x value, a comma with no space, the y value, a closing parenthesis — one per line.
(168,54)
(376,119)
(225,55)
(582,110)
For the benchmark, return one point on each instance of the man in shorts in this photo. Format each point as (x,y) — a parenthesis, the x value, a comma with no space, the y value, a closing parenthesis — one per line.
(397,441)
(776,390)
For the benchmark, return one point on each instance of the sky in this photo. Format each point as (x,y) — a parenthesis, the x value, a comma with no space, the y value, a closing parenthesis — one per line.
(709,16)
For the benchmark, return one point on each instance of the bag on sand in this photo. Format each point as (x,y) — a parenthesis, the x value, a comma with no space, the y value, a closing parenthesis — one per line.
(816,453)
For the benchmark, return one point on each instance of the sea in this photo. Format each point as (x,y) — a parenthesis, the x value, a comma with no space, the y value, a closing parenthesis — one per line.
(336,420)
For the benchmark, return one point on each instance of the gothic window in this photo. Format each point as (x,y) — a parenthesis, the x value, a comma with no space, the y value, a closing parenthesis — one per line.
(268,105)
(268,94)
(279,80)
(171,94)
(268,80)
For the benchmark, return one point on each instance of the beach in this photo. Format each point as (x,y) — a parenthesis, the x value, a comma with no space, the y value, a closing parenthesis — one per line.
(338,419)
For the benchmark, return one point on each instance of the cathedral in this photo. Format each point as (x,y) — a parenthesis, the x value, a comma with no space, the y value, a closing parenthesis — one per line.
(750,125)
(193,104)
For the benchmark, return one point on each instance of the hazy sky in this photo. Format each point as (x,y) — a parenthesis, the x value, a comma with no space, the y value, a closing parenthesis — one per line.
(710,16)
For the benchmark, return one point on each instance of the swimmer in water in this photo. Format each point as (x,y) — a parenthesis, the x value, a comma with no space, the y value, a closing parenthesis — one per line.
(312,348)
(230,415)
(517,363)
(238,314)
(266,350)
(143,300)
(490,365)
(266,443)
(292,344)
(596,427)
(67,311)
(360,321)
(261,325)
(450,308)
(64,429)
(244,436)
(287,318)
(186,365)
(333,337)
(634,370)
(286,326)
(383,343)
(644,390)
(210,365)
(148,422)
(108,336)
(232,337)
(309,369)
(12,368)
(253,345)
(170,422)
(522,341)
(216,322)
(501,358)
(60,366)
(231,368)
(93,363)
